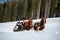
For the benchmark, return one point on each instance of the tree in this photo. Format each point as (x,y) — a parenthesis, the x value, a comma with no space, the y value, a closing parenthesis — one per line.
(57,9)
(1,12)
(7,12)
(47,8)
(38,5)
(14,11)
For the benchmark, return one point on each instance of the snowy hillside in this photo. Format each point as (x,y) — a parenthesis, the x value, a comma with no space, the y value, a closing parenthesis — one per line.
(51,31)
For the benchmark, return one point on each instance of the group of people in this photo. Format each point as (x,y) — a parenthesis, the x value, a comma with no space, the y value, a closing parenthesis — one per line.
(27,25)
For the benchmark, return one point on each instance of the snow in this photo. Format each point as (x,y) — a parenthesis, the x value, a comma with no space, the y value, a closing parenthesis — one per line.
(51,31)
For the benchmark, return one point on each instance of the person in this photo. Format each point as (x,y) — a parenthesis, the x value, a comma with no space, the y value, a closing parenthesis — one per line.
(18,26)
(24,20)
(43,20)
(42,23)
(28,24)
(36,25)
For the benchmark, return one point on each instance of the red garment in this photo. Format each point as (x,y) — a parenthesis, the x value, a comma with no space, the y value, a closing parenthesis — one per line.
(27,23)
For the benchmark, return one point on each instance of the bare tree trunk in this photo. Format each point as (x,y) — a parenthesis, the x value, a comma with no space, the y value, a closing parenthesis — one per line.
(25,3)
(15,11)
(47,8)
(49,5)
(32,11)
(1,12)
(38,9)
(32,14)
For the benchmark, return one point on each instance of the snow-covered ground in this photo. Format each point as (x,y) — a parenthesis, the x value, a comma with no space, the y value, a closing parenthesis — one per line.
(51,31)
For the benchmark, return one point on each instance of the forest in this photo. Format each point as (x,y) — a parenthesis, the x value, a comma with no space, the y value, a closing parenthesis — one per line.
(14,10)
